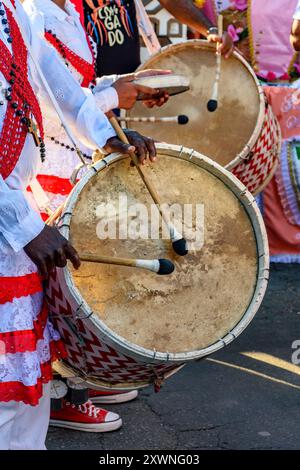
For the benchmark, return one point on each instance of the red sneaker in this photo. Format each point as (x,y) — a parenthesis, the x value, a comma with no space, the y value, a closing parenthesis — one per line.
(109,397)
(86,417)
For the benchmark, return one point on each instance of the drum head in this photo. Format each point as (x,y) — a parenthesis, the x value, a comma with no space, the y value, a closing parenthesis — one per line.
(222,135)
(211,289)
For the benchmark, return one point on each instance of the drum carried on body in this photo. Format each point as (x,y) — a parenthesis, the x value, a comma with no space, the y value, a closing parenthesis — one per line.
(242,135)
(126,328)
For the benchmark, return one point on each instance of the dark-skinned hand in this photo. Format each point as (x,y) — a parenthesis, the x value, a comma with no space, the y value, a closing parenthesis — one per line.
(50,249)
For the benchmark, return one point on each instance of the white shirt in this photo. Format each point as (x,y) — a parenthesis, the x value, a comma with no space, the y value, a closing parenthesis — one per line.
(68,28)
(297,12)
(19,223)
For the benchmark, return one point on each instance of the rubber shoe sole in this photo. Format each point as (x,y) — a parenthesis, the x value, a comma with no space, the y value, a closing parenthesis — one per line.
(118,398)
(85,427)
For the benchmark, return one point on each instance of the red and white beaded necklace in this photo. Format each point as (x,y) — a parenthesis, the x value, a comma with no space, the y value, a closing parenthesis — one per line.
(84,68)
(22,105)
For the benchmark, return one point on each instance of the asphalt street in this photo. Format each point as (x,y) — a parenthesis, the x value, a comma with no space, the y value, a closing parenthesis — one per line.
(246,396)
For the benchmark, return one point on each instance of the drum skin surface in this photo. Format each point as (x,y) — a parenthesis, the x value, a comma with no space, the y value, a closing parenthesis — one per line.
(242,135)
(221,135)
(210,289)
(151,320)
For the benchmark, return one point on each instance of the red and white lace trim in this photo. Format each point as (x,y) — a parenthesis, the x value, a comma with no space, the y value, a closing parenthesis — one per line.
(19,286)
(54,184)
(31,394)
(13,342)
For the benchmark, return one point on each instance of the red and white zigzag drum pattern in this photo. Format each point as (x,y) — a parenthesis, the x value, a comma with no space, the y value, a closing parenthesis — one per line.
(256,171)
(90,356)
(93,357)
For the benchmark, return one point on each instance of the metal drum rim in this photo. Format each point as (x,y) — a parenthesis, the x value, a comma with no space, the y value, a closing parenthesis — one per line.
(249,204)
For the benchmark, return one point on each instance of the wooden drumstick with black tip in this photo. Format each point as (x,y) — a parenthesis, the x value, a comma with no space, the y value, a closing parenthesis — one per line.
(212,104)
(159,266)
(178,242)
(182,119)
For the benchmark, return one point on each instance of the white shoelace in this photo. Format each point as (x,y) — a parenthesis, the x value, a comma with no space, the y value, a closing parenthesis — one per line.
(87,408)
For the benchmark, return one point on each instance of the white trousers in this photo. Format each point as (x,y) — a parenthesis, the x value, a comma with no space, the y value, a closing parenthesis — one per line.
(24,427)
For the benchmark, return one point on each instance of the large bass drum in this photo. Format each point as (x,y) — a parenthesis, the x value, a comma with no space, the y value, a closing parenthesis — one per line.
(242,135)
(125,327)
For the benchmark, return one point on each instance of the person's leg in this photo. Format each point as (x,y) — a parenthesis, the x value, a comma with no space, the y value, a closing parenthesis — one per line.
(31,424)
(8,412)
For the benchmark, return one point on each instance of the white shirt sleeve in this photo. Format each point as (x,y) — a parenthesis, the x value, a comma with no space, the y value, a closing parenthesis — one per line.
(105,82)
(297,12)
(107,99)
(19,223)
(106,96)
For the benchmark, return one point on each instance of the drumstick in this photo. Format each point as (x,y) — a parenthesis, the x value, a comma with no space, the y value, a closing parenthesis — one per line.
(181,119)
(158,266)
(212,105)
(55,215)
(178,242)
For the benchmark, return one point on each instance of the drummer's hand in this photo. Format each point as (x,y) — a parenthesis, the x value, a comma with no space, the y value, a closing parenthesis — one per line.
(140,145)
(115,145)
(144,146)
(50,249)
(159,101)
(129,92)
(226,45)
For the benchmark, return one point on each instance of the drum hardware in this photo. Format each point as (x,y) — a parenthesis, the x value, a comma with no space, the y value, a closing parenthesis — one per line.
(182,119)
(103,160)
(62,222)
(248,157)
(212,104)
(75,172)
(157,379)
(158,383)
(181,151)
(82,316)
(178,242)
(65,214)
(191,154)
(264,278)
(64,225)
(75,330)
(158,266)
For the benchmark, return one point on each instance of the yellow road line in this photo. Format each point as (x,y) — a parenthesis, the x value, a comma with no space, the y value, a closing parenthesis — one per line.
(253,372)
(273,361)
